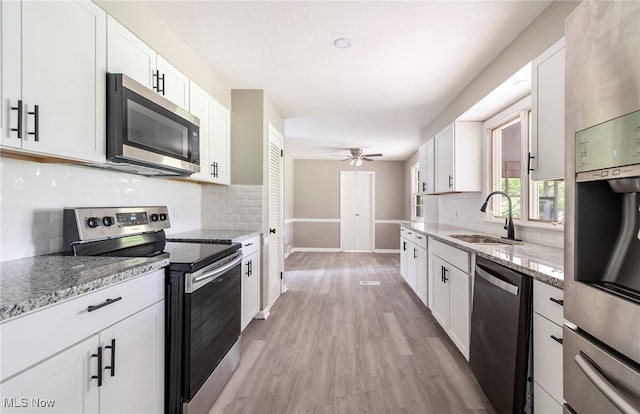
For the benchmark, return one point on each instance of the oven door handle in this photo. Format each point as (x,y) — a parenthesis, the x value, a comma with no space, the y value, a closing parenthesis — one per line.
(197,282)
(604,386)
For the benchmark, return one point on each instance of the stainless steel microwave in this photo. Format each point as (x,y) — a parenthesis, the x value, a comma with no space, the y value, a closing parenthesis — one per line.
(148,134)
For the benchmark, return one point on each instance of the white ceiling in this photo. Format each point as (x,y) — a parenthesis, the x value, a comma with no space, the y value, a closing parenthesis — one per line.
(407,62)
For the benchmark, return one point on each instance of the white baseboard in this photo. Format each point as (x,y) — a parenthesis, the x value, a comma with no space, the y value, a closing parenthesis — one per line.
(263,314)
(315,249)
(387,251)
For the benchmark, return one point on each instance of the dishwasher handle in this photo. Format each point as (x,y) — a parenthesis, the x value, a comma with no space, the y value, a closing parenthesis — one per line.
(499,283)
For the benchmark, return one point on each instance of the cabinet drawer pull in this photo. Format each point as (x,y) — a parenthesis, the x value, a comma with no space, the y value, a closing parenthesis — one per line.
(103,304)
(112,367)
(99,376)
(558,340)
(19,109)
(558,301)
(36,123)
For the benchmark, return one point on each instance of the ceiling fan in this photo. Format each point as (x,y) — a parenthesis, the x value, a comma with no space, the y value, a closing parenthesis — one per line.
(358,156)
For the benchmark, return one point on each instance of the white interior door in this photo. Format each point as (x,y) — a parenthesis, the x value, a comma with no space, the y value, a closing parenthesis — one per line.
(357,210)
(276,284)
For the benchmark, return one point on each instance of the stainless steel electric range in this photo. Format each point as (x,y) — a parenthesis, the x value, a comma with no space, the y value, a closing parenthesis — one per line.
(202,295)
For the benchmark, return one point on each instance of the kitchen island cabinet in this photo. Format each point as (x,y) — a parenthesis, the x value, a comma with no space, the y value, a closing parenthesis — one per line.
(53,79)
(102,351)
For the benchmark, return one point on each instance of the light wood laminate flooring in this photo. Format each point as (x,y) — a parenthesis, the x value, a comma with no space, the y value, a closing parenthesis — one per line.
(334,346)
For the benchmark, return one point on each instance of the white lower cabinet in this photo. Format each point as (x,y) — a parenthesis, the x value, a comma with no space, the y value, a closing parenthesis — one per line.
(250,280)
(413,261)
(451,299)
(547,348)
(117,366)
(61,383)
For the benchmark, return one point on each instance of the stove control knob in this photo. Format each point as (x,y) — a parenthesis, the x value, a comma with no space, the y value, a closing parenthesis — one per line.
(163,217)
(154,217)
(107,221)
(93,222)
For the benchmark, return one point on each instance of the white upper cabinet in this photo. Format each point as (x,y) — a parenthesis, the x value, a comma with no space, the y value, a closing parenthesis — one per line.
(426,157)
(214,136)
(53,78)
(221,143)
(547,114)
(127,54)
(458,155)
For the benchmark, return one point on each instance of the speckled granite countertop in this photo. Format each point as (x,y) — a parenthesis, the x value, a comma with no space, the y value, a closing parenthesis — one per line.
(213,236)
(34,282)
(544,263)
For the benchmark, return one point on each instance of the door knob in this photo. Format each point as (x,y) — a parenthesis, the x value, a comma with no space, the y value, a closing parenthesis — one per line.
(272,231)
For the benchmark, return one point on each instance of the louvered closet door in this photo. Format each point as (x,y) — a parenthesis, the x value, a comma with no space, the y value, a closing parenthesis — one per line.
(276,285)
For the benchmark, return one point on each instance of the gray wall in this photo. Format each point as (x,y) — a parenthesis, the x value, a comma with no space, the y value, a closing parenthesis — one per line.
(247,136)
(316,195)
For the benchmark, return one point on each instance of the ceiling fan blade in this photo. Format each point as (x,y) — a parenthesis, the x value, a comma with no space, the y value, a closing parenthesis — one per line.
(347,159)
(367,159)
(372,155)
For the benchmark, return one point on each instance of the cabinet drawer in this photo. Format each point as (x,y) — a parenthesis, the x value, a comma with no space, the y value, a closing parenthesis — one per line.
(543,403)
(545,301)
(421,240)
(456,257)
(410,235)
(38,335)
(547,356)
(250,246)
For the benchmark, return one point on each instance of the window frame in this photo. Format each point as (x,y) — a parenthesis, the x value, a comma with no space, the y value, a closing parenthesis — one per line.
(415,193)
(522,110)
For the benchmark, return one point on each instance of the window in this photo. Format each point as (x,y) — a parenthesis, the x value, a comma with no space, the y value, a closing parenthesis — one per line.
(533,201)
(417,200)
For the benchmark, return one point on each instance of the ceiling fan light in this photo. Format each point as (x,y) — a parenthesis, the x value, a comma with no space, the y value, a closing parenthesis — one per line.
(358,162)
(352,161)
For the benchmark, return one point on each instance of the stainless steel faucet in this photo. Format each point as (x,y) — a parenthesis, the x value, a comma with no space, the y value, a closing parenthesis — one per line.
(509,223)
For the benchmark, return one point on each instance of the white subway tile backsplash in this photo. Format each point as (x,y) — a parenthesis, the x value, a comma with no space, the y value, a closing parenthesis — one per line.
(463,210)
(234,207)
(33,196)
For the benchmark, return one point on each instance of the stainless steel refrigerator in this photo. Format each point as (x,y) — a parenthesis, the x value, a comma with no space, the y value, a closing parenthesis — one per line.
(602,231)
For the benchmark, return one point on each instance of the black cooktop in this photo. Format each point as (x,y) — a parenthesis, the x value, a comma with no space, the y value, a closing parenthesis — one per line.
(190,257)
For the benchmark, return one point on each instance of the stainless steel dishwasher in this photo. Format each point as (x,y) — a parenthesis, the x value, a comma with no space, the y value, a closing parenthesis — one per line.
(500,334)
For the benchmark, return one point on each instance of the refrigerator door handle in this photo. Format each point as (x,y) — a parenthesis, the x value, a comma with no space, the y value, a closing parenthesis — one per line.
(604,386)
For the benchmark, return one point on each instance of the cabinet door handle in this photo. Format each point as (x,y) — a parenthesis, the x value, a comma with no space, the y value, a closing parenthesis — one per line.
(250,267)
(444,274)
(19,110)
(112,367)
(156,85)
(558,301)
(415,253)
(36,123)
(163,90)
(558,340)
(103,304)
(451,181)
(404,246)
(531,157)
(424,186)
(99,376)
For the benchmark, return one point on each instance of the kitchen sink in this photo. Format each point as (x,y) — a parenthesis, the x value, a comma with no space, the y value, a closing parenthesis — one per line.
(482,239)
